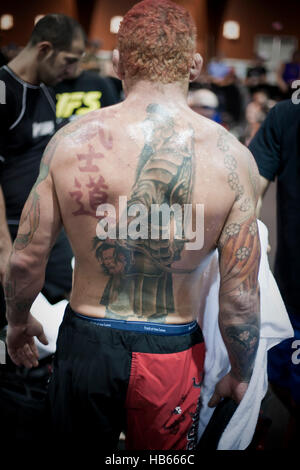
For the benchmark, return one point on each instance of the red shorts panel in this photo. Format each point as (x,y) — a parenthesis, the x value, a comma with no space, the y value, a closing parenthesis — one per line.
(163,399)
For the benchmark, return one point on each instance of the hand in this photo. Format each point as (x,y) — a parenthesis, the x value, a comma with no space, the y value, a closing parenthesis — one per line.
(20,342)
(228,386)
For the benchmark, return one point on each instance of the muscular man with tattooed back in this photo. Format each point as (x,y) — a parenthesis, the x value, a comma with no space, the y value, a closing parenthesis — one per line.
(146,190)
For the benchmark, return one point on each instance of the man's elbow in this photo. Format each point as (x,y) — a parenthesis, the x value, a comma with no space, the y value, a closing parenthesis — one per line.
(22,265)
(242,307)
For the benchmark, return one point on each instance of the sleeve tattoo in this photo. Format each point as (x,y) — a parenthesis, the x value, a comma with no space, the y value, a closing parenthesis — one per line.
(30,219)
(239,295)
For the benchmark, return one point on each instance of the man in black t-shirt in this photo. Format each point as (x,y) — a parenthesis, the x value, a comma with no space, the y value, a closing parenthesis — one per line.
(256,76)
(276,148)
(27,122)
(83,92)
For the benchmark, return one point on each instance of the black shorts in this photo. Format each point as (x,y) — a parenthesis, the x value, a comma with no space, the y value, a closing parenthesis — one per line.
(109,378)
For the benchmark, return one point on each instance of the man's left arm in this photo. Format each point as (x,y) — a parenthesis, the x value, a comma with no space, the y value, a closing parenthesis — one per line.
(39,226)
(239,298)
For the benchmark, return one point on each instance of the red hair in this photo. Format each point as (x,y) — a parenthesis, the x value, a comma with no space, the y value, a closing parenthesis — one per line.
(156,41)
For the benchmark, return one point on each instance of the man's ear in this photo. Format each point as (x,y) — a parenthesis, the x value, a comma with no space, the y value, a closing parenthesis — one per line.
(117,64)
(196,67)
(44,49)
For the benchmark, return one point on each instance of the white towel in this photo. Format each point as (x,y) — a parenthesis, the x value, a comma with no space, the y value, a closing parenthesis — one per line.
(275,327)
(50,316)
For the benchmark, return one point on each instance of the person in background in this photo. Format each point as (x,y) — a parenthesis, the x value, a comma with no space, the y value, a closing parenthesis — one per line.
(217,70)
(287,73)
(111,76)
(256,75)
(11,51)
(3,57)
(91,60)
(256,113)
(276,149)
(27,123)
(82,92)
(204,102)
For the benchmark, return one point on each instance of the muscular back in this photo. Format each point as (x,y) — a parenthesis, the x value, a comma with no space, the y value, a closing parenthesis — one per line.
(149,157)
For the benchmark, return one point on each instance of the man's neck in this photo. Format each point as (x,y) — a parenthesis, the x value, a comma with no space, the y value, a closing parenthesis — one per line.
(24,66)
(147,91)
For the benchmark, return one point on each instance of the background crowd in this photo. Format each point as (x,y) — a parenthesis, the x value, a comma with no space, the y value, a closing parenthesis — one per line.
(239,103)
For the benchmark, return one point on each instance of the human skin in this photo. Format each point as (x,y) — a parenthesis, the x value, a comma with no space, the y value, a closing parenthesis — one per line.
(108,154)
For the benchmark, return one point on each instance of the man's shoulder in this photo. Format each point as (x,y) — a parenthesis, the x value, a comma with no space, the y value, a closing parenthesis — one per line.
(10,83)
(236,163)
(286,110)
(10,100)
(4,75)
(90,121)
(83,130)
(206,128)
(228,144)
(229,160)
(282,114)
(222,146)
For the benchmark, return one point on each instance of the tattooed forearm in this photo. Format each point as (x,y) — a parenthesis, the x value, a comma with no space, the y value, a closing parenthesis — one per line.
(239,321)
(9,290)
(31,219)
(242,343)
(23,305)
(20,291)
(17,308)
(239,317)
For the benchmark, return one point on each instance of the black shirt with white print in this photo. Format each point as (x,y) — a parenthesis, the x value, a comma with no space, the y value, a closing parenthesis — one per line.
(27,122)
